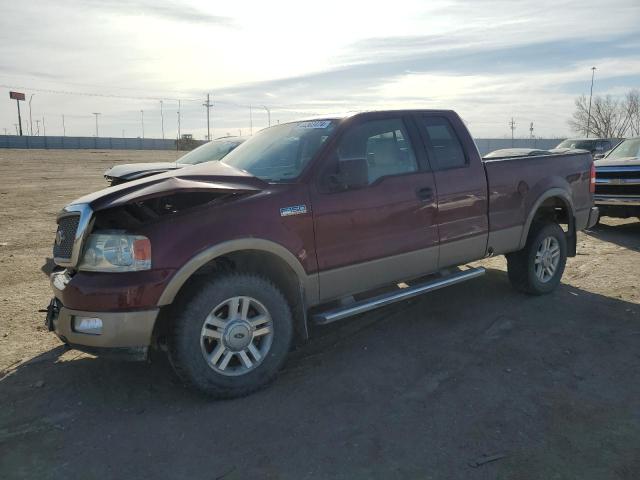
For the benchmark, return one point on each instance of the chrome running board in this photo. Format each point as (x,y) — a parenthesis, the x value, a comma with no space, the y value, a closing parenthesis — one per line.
(368,304)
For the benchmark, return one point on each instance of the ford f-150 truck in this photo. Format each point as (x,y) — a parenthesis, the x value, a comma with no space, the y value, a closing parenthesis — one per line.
(224,265)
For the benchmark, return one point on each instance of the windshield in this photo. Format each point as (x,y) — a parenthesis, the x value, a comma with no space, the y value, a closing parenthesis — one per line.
(215,150)
(580,144)
(628,148)
(280,153)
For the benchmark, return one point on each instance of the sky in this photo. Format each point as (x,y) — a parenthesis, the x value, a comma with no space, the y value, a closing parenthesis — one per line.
(132,60)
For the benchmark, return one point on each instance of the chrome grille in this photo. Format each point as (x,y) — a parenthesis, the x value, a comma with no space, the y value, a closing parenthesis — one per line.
(65,236)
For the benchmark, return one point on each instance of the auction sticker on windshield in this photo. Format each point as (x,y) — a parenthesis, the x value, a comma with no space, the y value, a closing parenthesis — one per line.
(315,124)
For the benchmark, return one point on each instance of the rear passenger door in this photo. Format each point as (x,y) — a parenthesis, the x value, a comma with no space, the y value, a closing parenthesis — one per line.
(461,189)
(383,231)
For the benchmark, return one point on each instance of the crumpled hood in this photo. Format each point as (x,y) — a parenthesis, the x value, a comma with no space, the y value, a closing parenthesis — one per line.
(134,170)
(206,177)
(618,162)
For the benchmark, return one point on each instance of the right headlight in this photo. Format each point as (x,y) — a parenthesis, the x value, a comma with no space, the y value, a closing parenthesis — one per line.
(116,252)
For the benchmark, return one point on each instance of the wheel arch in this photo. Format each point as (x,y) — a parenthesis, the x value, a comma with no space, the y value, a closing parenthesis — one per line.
(260,256)
(548,203)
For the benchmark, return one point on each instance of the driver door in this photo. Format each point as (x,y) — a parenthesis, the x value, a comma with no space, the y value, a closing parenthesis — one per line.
(384,231)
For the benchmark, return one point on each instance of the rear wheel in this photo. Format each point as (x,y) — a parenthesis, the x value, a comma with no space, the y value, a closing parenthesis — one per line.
(538,267)
(231,335)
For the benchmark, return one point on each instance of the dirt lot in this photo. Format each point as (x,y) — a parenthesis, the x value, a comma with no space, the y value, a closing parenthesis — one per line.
(551,385)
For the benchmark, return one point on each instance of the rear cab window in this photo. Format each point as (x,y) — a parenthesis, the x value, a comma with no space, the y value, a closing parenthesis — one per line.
(443,145)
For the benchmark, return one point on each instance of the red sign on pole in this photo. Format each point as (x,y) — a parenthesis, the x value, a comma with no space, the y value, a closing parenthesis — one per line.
(16,96)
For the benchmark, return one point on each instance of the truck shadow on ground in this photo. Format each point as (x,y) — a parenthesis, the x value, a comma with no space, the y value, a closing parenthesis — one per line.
(473,370)
(625,235)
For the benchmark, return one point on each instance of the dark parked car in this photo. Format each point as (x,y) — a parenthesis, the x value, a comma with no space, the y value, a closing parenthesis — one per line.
(618,181)
(597,146)
(225,264)
(517,152)
(214,150)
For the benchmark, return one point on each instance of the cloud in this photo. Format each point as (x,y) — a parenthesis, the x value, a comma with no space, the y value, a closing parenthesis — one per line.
(167,10)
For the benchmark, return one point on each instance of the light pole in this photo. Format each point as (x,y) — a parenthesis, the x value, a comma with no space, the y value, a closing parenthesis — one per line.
(30,121)
(162,119)
(142,121)
(268,114)
(37,127)
(593,72)
(44,128)
(208,104)
(96,114)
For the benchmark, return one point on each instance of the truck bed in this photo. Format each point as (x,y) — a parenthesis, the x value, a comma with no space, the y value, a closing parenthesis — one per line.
(516,184)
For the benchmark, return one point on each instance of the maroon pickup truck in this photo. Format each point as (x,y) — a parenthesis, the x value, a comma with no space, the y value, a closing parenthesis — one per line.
(224,265)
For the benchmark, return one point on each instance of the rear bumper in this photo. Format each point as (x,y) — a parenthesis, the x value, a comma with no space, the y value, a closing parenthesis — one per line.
(125,331)
(594,215)
(587,218)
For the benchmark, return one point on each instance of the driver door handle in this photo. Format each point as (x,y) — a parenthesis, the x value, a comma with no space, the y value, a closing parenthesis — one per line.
(425,194)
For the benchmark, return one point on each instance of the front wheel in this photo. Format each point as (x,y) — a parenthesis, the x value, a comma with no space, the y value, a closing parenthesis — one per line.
(231,335)
(538,267)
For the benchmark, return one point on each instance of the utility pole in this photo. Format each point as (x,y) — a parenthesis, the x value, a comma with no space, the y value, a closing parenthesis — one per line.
(250,121)
(37,127)
(208,104)
(268,114)
(44,128)
(512,126)
(96,114)
(64,130)
(179,136)
(531,130)
(593,73)
(142,121)
(30,121)
(161,119)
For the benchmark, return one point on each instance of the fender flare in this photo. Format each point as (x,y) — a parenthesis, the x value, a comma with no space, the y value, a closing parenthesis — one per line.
(552,192)
(308,283)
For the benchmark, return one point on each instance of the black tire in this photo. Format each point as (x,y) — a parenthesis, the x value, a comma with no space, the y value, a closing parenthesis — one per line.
(185,338)
(521,264)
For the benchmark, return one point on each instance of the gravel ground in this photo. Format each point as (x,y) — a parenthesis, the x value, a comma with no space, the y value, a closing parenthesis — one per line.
(545,387)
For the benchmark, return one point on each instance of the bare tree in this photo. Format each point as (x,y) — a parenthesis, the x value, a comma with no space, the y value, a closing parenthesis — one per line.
(610,117)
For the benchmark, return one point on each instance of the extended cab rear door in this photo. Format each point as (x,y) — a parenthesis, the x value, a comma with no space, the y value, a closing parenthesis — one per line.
(461,187)
(384,231)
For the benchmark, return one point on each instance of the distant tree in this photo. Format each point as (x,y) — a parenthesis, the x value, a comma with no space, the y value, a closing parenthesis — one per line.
(610,117)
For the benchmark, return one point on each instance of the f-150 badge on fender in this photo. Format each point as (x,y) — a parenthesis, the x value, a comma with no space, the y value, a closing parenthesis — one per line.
(295,210)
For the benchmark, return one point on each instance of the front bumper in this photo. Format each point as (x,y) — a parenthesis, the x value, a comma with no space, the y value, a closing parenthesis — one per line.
(121,332)
(617,200)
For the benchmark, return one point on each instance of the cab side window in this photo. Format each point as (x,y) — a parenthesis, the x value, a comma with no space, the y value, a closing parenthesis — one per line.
(444,146)
(384,144)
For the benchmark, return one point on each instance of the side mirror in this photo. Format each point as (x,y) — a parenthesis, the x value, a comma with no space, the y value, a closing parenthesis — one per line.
(598,156)
(352,173)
